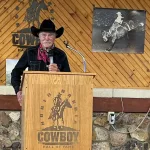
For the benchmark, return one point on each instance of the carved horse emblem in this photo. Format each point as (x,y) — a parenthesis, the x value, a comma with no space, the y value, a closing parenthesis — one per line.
(57,110)
(33,12)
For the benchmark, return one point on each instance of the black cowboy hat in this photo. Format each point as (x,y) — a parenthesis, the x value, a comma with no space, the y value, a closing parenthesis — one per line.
(47,26)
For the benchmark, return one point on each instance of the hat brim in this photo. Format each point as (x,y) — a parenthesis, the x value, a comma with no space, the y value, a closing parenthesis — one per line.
(35,31)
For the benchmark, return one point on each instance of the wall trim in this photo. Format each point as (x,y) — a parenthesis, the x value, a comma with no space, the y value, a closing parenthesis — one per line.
(105,104)
(104,100)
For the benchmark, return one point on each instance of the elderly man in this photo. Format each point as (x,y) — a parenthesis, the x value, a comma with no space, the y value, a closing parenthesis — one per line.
(39,55)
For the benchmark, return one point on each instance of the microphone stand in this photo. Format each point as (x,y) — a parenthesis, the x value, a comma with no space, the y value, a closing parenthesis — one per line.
(84,61)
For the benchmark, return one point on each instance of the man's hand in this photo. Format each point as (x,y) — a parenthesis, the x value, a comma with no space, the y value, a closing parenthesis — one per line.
(54,68)
(19,97)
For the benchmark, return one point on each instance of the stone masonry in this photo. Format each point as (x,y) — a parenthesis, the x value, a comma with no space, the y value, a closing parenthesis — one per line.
(104,136)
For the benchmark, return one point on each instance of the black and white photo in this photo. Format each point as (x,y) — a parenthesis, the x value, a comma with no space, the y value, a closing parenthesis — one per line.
(118,30)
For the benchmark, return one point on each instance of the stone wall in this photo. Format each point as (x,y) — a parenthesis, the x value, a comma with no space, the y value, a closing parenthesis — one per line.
(104,135)
(10,130)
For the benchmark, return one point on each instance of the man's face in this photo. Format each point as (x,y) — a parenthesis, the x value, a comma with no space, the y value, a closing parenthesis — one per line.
(47,39)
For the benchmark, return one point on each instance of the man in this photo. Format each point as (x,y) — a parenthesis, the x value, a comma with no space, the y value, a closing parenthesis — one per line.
(39,55)
(117,23)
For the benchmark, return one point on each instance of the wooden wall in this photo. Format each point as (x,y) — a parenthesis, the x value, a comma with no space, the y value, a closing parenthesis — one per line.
(113,70)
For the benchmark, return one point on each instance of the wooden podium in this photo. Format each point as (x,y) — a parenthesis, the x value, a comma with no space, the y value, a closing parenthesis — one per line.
(57,110)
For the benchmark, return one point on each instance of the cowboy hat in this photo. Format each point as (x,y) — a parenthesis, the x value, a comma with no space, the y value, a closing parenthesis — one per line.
(47,26)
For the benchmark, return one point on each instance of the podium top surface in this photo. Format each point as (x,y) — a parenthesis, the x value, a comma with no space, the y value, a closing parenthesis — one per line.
(59,73)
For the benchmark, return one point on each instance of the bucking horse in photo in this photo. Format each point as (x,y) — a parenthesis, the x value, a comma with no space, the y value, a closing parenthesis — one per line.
(118,30)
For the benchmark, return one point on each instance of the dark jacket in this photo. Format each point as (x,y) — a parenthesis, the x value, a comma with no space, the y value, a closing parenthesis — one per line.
(29,57)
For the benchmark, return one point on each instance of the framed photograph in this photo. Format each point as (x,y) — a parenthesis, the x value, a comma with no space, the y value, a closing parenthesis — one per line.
(10,64)
(118,30)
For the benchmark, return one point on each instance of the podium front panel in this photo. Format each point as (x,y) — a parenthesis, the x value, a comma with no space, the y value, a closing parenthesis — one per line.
(57,112)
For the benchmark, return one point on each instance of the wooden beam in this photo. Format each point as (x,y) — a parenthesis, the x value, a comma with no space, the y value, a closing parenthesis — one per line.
(116,105)
(9,102)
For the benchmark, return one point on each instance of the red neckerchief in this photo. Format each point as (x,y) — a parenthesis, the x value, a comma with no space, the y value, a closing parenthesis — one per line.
(42,54)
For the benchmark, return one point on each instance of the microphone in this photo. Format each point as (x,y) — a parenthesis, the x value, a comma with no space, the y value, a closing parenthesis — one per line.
(84,61)
(50,56)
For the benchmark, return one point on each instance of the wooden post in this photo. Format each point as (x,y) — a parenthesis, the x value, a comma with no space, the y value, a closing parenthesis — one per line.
(57,111)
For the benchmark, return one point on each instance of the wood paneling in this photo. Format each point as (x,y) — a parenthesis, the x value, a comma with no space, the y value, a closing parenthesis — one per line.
(113,70)
(9,102)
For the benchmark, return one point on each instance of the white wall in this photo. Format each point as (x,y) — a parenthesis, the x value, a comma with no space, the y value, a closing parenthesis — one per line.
(98,92)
